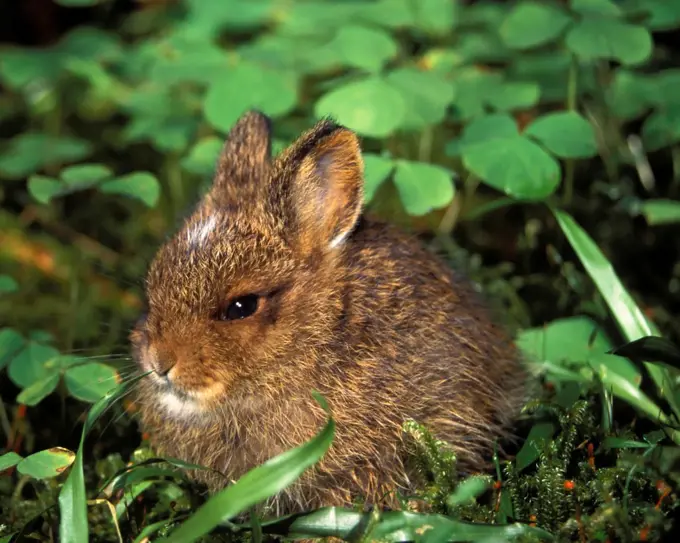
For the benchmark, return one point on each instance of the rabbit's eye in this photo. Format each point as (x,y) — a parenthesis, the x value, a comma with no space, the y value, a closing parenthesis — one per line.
(240,308)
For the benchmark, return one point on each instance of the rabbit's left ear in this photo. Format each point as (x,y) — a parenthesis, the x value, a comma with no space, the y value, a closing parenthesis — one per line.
(323,180)
(245,157)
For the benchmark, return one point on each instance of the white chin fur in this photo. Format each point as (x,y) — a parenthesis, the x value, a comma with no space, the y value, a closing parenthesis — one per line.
(180,408)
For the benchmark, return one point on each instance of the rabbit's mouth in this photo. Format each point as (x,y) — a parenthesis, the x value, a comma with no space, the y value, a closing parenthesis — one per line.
(179,403)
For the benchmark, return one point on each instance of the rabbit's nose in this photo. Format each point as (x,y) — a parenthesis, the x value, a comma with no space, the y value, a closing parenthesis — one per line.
(163,367)
(162,362)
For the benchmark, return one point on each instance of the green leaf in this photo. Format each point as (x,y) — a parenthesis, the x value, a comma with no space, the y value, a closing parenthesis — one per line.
(248,86)
(38,391)
(529,24)
(376,169)
(370,106)
(423,187)
(84,175)
(661,211)
(90,382)
(496,126)
(193,59)
(479,47)
(651,348)
(41,336)
(20,67)
(395,526)
(141,185)
(11,343)
(598,38)
(435,16)
(43,189)
(468,490)
(28,366)
(9,460)
(316,18)
(612,442)
(209,17)
(202,157)
(596,7)
(426,94)
(255,486)
(65,361)
(89,42)
(572,339)
(30,152)
(171,133)
(513,95)
(662,14)
(662,128)
(73,527)
(389,13)
(566,134)
(7,285)
(364,47)
(471,87)
(663,88)
(539,435)
(629,94)
(46,464)
(512,164)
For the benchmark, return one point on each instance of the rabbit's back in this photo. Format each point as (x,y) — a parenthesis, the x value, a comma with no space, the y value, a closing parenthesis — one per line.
(419,342)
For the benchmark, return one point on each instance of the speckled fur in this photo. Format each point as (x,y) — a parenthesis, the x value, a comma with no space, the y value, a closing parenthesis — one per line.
(378,325)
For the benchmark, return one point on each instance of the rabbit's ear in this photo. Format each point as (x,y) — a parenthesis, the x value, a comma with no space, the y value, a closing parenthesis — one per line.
(246,154)
(325,184)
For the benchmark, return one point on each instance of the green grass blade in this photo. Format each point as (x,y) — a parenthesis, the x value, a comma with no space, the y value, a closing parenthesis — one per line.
(72,497)
(255,486)
(632,321)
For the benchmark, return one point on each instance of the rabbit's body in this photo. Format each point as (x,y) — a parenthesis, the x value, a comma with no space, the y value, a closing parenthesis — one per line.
(357,310)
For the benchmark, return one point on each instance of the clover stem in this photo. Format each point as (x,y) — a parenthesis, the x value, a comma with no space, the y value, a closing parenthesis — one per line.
(4,420)
(572,90)
(425,145)
(448,221)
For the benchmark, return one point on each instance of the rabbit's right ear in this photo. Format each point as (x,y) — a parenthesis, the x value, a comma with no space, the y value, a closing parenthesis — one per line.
(322,179)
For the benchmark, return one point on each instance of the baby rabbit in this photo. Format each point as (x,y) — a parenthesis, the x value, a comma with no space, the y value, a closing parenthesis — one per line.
(277,286)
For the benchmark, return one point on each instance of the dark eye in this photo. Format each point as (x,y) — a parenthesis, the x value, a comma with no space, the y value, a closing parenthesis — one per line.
(240,308)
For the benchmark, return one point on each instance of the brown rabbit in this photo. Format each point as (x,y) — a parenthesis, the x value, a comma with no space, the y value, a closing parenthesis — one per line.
(276,286)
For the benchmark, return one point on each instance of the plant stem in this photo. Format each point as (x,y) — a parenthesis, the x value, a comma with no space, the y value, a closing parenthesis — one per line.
(4,420)
(448,222)
(572,95)
(425,145)
(675,181)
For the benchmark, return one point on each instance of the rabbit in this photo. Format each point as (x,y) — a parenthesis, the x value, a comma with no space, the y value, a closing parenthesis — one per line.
(277,285)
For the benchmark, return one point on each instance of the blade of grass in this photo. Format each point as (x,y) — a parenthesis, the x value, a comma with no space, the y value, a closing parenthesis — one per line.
(633,323)
(72,497)
(255,486)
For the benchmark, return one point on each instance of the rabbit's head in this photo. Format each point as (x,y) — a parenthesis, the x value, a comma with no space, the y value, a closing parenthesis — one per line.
(245,296)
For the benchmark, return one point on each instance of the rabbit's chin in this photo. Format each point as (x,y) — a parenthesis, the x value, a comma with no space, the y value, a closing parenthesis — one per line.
(195,406)
(181,407)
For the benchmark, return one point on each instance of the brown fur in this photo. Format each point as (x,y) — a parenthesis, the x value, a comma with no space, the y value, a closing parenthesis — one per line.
(381,327)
